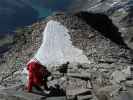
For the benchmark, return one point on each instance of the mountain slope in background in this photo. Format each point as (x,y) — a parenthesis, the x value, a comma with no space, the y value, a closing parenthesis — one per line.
(14,14)
(119,11)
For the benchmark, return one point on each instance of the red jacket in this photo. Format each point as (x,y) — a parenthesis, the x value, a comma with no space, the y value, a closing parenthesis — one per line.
(35,74)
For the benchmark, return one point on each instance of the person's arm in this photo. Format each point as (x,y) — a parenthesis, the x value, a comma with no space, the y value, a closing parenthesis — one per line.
(30,81)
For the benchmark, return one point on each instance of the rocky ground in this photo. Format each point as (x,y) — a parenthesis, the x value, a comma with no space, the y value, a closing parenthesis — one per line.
(107,75)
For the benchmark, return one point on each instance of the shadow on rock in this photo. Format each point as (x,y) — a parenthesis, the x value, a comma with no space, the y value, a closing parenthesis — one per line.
(56,91)
(103,24)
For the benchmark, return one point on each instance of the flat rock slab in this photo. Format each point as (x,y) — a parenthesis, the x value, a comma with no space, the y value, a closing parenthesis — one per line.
(55,98)
(75,92)
(18,95)
(79,75)
(28,96)
(84,97)
(129,83)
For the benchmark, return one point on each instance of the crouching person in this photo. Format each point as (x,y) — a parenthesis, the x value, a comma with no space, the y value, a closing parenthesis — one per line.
(37,76)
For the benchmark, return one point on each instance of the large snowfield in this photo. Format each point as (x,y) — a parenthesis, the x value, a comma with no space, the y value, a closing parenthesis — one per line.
(57,47)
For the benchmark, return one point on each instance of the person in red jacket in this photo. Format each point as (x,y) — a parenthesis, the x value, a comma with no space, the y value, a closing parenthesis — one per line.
(37,72)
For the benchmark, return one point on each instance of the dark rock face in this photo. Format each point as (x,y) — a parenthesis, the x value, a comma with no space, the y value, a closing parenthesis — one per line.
(120,12)
(102,24)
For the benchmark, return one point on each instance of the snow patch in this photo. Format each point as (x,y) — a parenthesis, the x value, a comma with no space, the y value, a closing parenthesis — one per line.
(24,76)
(57,47)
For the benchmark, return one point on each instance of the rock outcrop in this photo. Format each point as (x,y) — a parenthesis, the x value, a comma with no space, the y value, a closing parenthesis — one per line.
(119,11)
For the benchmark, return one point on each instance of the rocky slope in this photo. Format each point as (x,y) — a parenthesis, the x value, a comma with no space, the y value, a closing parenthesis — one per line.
(106,55)
(103,30)
(119,11)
